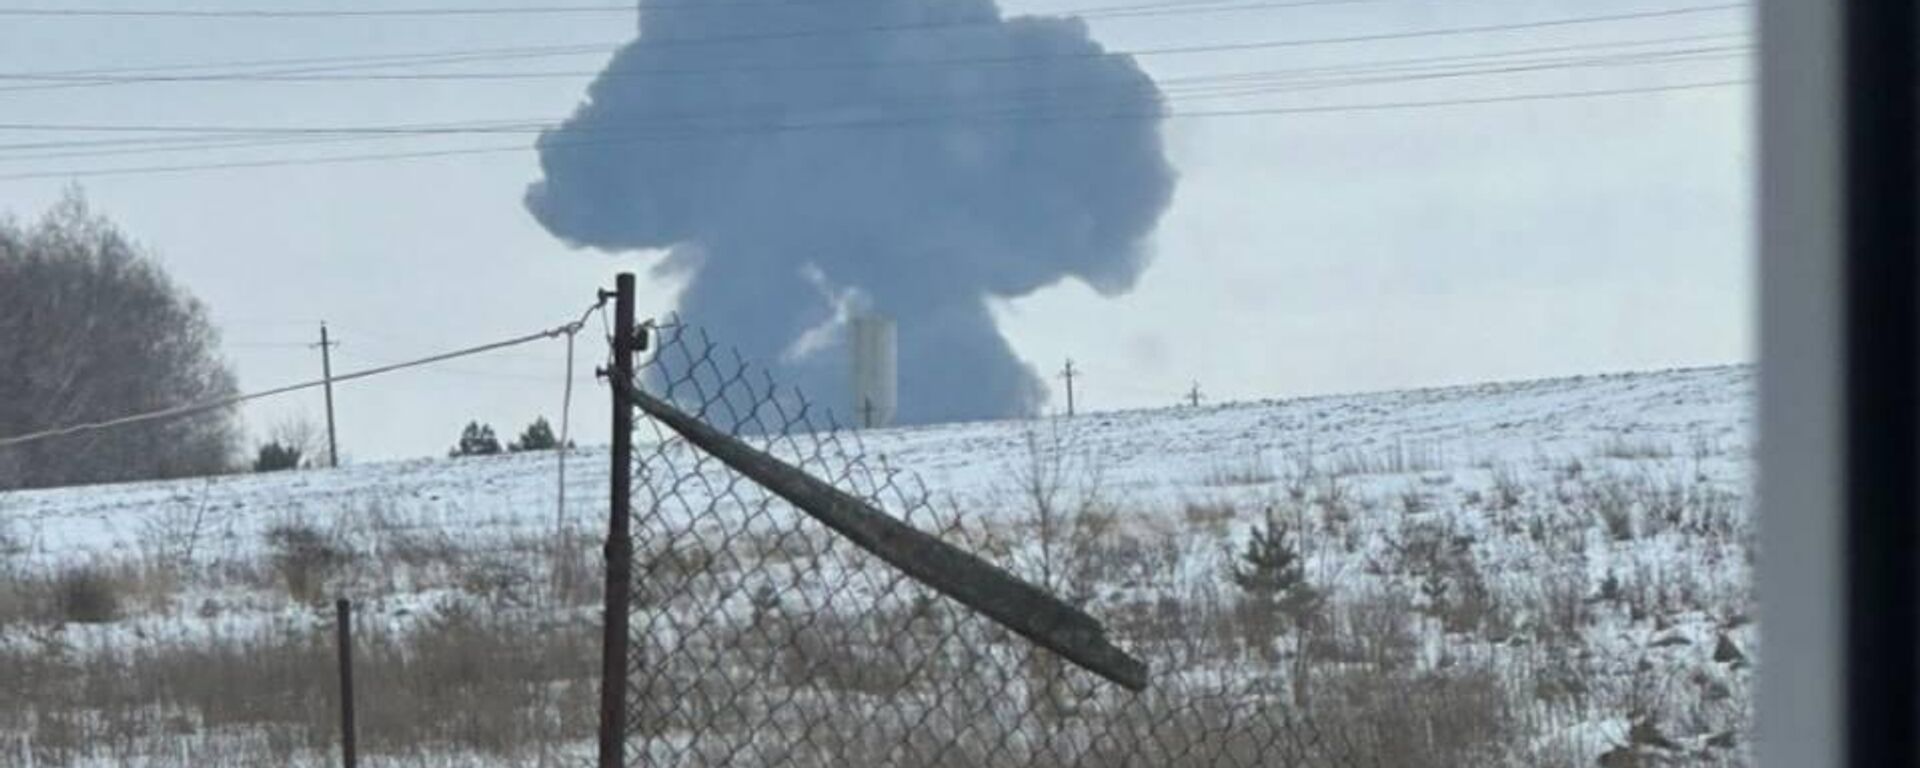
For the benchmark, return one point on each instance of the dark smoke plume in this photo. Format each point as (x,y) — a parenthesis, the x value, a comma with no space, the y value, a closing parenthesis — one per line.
(802,159)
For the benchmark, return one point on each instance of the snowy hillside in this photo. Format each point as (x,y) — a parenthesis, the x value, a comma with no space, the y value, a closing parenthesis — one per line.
(1601,526)
(1161,456)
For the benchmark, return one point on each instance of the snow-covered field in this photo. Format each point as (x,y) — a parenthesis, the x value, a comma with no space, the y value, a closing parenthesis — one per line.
(1586,541)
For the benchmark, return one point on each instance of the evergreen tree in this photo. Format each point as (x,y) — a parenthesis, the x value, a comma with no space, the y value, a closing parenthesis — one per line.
(1271,575)
(476,440)
(537,437)
(275,457)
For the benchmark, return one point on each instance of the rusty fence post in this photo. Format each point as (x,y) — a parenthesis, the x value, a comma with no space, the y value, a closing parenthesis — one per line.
(619,547)
(343,612)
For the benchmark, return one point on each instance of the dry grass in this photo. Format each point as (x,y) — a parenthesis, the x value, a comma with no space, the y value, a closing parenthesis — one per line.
(1467,625)
(460,680)
(1254,469)
(1400,458)
(1635,448)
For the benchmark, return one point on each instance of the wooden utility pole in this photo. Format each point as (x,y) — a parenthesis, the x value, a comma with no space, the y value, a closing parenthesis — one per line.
(619,548)
(1068,373)
(326,373)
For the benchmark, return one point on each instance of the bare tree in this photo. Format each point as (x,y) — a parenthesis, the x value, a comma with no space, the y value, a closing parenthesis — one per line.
(302,435)
(1060,488)
(91,328)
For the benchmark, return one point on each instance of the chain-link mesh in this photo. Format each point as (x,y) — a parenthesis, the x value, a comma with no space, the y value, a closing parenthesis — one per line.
(761,638)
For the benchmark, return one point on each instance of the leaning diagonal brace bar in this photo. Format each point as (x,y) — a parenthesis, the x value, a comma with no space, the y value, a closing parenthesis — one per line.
(976,583)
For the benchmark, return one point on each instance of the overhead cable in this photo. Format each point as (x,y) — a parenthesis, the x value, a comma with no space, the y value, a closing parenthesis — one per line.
(227,402)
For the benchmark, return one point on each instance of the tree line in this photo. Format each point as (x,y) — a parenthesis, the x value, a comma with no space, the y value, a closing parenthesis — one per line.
(296,445)
(92,328)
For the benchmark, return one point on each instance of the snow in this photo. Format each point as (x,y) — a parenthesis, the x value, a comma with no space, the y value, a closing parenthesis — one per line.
(1149,457)
(1436,459)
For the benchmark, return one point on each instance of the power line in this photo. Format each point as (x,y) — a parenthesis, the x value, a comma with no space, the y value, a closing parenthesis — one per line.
(1213,85)
(245,13)
(1010,59)
(614,75)
(514,376)
(987,120)
(105,77)
(1240,85)
(227,402)
(440,12)
(1259,80)
(294,66)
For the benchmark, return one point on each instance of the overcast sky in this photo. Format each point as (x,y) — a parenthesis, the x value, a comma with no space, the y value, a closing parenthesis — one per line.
(1303,253)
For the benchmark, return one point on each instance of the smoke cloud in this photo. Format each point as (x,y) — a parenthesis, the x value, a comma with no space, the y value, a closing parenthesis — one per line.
(803,160)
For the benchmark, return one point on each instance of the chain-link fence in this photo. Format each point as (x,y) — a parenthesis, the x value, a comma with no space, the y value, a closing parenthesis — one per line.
(761,638)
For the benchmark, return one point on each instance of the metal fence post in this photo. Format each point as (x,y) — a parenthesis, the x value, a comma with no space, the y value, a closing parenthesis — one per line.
(343,612)
(619,547)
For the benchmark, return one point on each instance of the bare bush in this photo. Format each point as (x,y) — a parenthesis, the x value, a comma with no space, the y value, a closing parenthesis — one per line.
(1560,613)
(573,572)
(1058,488)
(1611,501)
(171,536)
(305,558)
(501,578)
(1508,491)
(1067,521)
(1446,574)
(1375,630)
(87,595)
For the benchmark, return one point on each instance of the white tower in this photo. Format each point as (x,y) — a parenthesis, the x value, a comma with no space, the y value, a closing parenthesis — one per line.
(876,387)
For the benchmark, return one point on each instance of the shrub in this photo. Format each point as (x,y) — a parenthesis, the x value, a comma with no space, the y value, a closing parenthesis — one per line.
(87,595)
(1448,576)
(1507,491)
(304,559)
(1611,502)
(1269,573)
(476,440)
(274,457)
